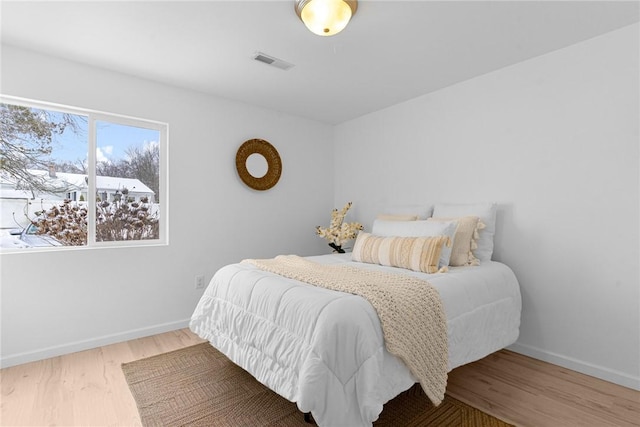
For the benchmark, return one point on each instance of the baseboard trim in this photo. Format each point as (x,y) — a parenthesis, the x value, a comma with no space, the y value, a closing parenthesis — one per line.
(606,374)
(59,350)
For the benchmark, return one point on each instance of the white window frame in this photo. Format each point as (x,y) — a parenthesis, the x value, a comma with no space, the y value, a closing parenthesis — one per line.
(94,116)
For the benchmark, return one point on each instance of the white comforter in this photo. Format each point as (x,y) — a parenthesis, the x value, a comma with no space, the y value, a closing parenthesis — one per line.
(325,351)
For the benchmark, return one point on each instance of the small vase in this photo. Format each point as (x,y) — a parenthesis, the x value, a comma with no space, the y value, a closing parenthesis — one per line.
(337,248)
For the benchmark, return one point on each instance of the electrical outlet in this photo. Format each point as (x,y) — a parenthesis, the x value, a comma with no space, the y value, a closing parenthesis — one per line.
(199,282)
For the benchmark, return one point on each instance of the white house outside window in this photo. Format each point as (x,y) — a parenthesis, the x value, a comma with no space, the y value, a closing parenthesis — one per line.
(74,177)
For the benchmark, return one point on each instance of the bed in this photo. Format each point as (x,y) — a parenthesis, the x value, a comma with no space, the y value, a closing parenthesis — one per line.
(325,349)
(317,330)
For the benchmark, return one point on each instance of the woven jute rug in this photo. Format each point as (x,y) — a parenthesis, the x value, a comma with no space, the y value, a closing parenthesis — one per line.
(199,386)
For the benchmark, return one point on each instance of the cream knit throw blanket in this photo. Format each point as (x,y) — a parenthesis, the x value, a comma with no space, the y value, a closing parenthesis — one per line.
(410,311)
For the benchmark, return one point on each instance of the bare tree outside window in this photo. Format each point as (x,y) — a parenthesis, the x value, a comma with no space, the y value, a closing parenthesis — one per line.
(28,137)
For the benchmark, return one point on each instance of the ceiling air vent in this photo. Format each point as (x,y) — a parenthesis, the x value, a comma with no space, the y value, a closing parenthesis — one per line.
(270,60)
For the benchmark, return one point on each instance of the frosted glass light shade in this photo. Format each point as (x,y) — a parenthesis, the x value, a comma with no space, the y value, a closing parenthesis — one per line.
(325,17)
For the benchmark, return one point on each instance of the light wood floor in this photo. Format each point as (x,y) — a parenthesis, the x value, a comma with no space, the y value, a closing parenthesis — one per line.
(88,389)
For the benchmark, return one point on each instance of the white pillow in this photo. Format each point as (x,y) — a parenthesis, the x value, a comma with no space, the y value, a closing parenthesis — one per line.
(425,228)
(420,211)
(487,214)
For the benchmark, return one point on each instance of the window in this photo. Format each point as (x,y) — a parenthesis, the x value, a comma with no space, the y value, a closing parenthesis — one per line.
(54,157)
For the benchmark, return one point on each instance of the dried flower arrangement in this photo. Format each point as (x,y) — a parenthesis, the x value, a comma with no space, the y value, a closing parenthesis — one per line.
(338,231)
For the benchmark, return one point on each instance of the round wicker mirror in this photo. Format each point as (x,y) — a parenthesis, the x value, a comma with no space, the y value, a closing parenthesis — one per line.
(270,154)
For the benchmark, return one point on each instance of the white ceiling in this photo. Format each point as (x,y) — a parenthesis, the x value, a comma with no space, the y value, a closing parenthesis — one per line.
(390,52)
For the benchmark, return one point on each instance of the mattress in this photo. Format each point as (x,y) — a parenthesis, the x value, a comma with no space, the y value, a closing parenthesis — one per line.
(325,350)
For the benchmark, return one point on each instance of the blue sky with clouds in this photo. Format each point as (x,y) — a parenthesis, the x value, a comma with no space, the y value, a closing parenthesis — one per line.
(112,141)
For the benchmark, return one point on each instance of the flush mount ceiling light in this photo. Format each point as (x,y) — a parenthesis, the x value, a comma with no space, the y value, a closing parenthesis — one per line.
(326,17)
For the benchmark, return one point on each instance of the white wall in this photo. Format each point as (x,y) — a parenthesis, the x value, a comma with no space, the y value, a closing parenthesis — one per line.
(56,302)
(554,140)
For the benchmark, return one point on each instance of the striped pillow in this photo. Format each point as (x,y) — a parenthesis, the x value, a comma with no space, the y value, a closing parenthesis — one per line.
(413,253)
